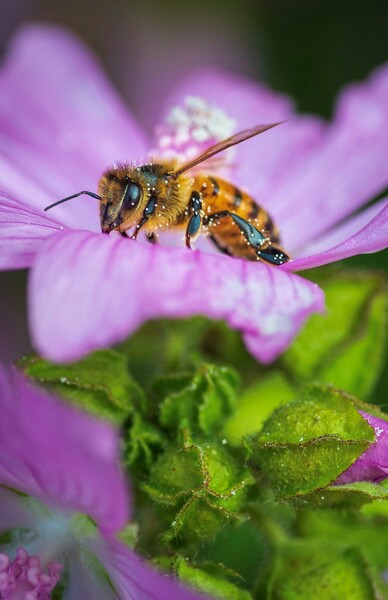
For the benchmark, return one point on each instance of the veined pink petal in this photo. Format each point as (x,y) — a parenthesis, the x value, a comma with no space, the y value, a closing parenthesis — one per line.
(90,291)
(373,464)
(371,235)
(22,231)
(345,171)
(136,580)
(85,582)
(62,457)
(15,513)
(61,121)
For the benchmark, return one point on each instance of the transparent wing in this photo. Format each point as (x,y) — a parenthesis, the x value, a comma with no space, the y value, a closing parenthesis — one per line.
(221,146)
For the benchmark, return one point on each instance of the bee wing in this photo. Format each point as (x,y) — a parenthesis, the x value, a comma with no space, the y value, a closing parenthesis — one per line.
(221,146)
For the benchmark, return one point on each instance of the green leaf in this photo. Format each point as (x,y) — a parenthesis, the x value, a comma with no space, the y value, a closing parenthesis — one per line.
(351,495)
(100,384)
(349,530)
(129,535)
(379,507)
(252,554)
(200,488)
(141,443)
(308,571)
(200,403)
(208,583)
(345,347)
(255,404)
(305,445)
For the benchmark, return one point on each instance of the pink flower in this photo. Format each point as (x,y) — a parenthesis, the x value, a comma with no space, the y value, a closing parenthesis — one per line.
(372,465)
(63,124)
(60,469)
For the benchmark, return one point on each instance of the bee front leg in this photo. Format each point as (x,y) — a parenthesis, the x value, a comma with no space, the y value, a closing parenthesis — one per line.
(195,221)
(147,213)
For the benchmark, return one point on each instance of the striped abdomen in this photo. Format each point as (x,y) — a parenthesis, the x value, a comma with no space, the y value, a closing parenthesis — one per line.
(220,197)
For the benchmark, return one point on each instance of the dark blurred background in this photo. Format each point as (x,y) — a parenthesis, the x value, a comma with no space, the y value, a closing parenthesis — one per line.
(306,48)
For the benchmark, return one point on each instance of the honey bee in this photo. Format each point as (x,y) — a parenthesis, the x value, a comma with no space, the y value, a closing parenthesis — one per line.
(164,195)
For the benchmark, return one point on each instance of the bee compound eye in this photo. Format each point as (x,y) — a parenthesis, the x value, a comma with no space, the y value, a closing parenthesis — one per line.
(131,195)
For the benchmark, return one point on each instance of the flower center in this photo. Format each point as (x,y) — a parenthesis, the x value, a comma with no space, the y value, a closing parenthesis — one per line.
(191,128)
(25,579)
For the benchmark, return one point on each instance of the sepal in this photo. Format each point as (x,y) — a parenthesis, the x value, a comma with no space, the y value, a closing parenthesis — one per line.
(199,403)
(198,488)
(307,444)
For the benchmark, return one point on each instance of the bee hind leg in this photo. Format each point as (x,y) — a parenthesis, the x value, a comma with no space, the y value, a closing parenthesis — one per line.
(220,248)
(265,250)
(273,255)
(252,235)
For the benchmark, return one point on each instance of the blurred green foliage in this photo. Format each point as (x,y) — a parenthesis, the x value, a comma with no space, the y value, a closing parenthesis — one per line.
(241,456)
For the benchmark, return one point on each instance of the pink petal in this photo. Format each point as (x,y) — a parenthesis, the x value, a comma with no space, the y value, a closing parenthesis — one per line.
(61,121)
(371,235)
(373,464)
(346,170)
(22,231)
(89,291)
(85,582)
(136,580)
(15,511)
(60,456)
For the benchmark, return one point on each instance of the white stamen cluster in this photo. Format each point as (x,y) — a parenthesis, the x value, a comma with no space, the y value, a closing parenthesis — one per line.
(191,128)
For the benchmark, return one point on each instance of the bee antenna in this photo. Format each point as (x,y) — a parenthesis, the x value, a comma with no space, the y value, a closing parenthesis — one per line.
(96,196)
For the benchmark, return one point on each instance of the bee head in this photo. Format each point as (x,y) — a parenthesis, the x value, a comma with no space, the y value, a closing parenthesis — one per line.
(121,199)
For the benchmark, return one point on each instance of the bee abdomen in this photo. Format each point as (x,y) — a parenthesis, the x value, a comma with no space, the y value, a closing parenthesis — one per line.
(220,197)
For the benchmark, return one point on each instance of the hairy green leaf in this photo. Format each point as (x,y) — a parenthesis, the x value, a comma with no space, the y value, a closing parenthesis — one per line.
(100,383)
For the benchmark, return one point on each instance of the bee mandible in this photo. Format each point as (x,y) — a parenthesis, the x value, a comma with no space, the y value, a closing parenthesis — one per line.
(164,195)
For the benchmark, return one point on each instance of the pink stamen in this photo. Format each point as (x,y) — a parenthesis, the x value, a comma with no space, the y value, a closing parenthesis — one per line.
(24,579)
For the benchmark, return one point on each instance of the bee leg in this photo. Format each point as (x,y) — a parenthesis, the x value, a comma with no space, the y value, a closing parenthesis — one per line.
(195,221)
(152,238)
(252,235)
(267,252)
(273,254)
(265,249)
(124,234)
(148,211)
(138,227)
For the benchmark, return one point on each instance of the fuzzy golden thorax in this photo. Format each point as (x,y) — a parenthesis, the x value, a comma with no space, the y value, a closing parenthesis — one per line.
(149,194)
